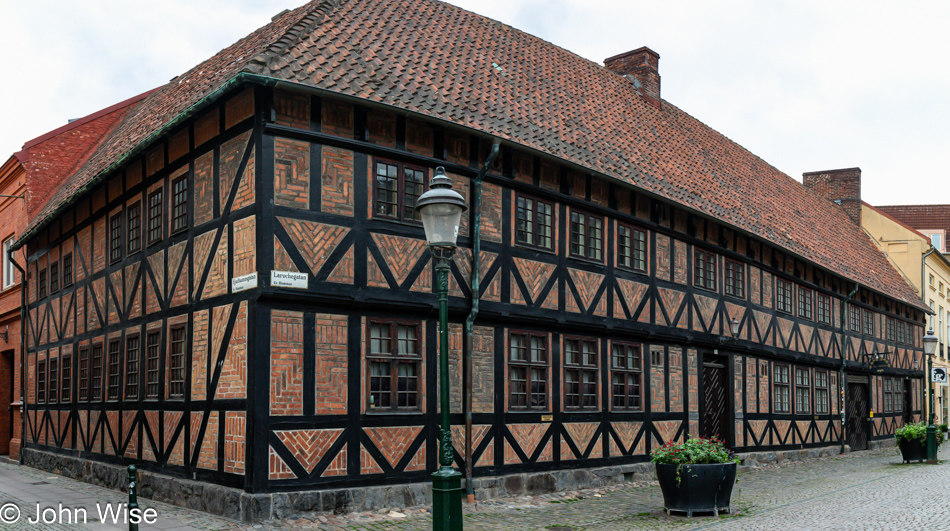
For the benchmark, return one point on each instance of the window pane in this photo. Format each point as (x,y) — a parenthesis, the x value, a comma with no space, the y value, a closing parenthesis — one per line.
(414,188)
(518,348)
(387,186)
(538,388)
(518,387)
(408,342)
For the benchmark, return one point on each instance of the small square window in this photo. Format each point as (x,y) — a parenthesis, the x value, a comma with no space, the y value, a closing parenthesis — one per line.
(704,272)
(734,278)
(398,186)
(804,303)
(783,296)
(631,248)
(535,223)
(587,236)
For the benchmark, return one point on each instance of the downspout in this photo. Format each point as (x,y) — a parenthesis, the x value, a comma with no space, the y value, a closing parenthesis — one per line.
(844,350)
(470,321)
(23,319)
(926,385)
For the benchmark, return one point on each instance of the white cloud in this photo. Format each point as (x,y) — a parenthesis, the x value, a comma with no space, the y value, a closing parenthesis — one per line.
(806,85)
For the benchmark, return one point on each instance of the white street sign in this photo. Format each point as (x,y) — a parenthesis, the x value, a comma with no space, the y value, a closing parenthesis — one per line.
(938,375)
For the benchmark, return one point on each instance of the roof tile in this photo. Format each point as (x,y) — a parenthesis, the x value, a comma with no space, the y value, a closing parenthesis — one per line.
(441,61)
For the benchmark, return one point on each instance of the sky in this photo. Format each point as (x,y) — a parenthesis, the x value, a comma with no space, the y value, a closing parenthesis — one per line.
(805,85)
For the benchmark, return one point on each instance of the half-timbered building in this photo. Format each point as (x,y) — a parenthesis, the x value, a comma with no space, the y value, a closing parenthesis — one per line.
(236,287)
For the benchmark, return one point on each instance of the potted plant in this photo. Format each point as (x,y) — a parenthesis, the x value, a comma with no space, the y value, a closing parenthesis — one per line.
(696,475)
(912,441)
(943,427)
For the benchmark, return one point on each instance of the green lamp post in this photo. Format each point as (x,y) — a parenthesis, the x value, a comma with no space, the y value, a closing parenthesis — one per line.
(441,209)
(930,347)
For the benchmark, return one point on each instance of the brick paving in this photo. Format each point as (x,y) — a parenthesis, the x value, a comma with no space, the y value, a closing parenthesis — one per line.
(864,490)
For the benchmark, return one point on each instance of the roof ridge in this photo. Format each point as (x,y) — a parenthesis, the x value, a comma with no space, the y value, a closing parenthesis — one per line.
(315,13)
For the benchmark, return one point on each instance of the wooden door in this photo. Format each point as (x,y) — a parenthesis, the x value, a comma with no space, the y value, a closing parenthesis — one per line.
(857,416)
(715,398)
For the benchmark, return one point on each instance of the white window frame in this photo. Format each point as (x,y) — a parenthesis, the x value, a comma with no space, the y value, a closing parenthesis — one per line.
(9,272)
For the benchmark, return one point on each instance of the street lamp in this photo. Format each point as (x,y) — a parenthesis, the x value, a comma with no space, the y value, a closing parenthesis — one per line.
(930,346)
(441,209)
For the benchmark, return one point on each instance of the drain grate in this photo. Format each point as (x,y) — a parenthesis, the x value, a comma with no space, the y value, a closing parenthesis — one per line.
(560,528)
(40,483)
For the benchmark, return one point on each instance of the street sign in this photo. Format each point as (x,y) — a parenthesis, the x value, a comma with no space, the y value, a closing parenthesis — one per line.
(938,375)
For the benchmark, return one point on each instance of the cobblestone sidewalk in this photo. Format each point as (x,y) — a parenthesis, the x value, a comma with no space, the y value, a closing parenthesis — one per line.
(863,490)
(22,489)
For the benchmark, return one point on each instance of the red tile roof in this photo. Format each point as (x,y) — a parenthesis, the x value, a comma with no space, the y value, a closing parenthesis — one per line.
(920,217)
(442,61)
(53,157)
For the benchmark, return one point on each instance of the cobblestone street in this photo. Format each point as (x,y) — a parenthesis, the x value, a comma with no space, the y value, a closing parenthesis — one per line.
(865,490)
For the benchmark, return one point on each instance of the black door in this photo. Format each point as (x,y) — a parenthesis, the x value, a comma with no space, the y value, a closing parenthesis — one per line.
(857,416)
(6,398)
(715,404)
(908,403)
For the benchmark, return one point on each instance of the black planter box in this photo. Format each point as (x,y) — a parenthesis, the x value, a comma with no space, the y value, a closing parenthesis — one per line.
(700,488)
(913,450)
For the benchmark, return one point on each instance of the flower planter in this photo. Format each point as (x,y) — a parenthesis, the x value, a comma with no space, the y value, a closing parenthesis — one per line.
(699,488)
(913,450)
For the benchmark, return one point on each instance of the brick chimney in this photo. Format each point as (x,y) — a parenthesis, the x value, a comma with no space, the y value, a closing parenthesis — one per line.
(641,67)
(843,187)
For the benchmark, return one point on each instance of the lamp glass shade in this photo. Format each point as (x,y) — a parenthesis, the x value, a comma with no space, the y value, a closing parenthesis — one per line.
(734,327)
(441,222)
(930,342)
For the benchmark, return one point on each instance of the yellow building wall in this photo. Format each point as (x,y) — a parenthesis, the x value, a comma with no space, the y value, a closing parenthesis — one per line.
(904,248)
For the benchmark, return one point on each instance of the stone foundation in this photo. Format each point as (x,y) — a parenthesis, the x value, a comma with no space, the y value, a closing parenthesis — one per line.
(752,459)
(231,502)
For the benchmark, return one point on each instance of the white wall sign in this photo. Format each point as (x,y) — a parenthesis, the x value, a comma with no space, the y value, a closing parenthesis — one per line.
(938,375)
(243,283)
(289,279)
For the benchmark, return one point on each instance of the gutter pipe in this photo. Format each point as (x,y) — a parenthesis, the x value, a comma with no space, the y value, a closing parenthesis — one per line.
(23,319)
(470,320)
(844,350)
(926,385)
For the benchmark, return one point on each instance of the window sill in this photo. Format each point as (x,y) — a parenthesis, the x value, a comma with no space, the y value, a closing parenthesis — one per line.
(533,248)
(631,270)
(380,412)
(586,260)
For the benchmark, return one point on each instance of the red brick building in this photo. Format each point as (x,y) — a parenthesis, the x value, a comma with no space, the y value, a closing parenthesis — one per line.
(27,179)
(13,214)
(620,238)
